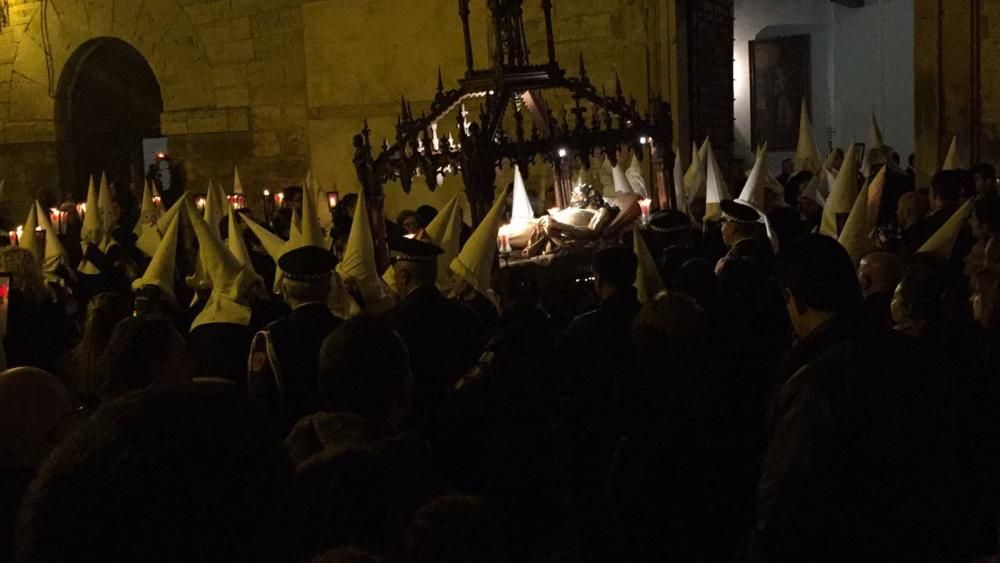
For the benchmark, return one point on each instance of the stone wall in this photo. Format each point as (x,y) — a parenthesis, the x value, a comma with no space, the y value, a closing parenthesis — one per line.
(957,72)
(279,86)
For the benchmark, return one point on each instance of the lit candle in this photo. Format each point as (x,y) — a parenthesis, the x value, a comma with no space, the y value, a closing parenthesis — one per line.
(54,217)
(279,198)
(20,233)
(200,203)
(644,207)
(157,201)
(13,238)
(81,209)
(267,193)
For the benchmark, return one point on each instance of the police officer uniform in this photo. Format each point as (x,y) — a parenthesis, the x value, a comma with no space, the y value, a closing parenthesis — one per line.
(283,371)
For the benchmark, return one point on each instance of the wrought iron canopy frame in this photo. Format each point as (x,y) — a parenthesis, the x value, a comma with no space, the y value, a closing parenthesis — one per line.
(512,86)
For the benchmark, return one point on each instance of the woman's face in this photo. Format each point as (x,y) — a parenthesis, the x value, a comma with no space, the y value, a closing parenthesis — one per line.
(410,225)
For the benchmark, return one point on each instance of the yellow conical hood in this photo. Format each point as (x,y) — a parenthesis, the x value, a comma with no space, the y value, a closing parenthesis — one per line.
(446,232)
(875,138)
(474,263)
(162,268)
(806,155)
(875,141)
(854,238)
(943,241)
(680,193)
(648,282)
(29,238)
(235,242)
(237,184)
(55,254)
(295,232)
(148,213)
(358,264)
(953,161)
(274,245)
(312,232)
(216,204)
(104,201)
(149,241)
(620,180)
(635,177)
(715,188)
(753,190)
(842,194)
(694,178)
(93,231)
(703,152)
(323,211)
(231,281)
(521,209)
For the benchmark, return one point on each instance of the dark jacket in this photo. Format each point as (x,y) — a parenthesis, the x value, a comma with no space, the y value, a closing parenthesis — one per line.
(283,371)
(444,338)
(408,481)
(860,463)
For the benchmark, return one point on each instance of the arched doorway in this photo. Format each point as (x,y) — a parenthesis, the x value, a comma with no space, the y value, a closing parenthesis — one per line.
(108,102)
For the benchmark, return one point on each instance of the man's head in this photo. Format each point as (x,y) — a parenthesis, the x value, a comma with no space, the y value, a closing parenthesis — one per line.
(182,474)
(35,412)
(880,272)
(614,270)
(364,369)
(838,158)
(415,264)
(292,198)
(142,352)
(911,208)
(818,280)
(787,167)
(426,214)
(739,222)
(307,273)
(946,188)
(985,177)
(985,218)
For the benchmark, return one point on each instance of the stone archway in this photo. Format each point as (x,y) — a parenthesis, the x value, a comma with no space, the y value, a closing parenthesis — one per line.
(108,100)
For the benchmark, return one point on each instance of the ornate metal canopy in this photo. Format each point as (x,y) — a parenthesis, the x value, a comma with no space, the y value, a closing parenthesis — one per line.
(505,91)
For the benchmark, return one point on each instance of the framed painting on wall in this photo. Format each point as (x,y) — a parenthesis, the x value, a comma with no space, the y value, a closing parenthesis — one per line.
(779,81)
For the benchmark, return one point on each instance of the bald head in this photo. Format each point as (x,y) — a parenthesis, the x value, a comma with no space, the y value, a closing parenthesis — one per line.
(880,272)
(35,411)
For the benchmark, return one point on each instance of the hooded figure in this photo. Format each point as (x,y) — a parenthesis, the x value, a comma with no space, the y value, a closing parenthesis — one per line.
(231,282)
(148,213)
(648,282)
(54,255)
(620,180)
(806,155)
(150,239)
(635,178)
(716,190)
(694,178)
(161,271)
(358,265)
(842,196)
(953,161)
(875,141)
(943,241)
(30,238)
(93,230)
(474,264)
(855,238)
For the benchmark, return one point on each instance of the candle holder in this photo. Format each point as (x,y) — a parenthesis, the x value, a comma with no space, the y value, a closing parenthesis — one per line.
(268,208)
(644,205)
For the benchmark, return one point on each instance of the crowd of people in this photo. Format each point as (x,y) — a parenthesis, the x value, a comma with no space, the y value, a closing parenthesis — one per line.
(248,390)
